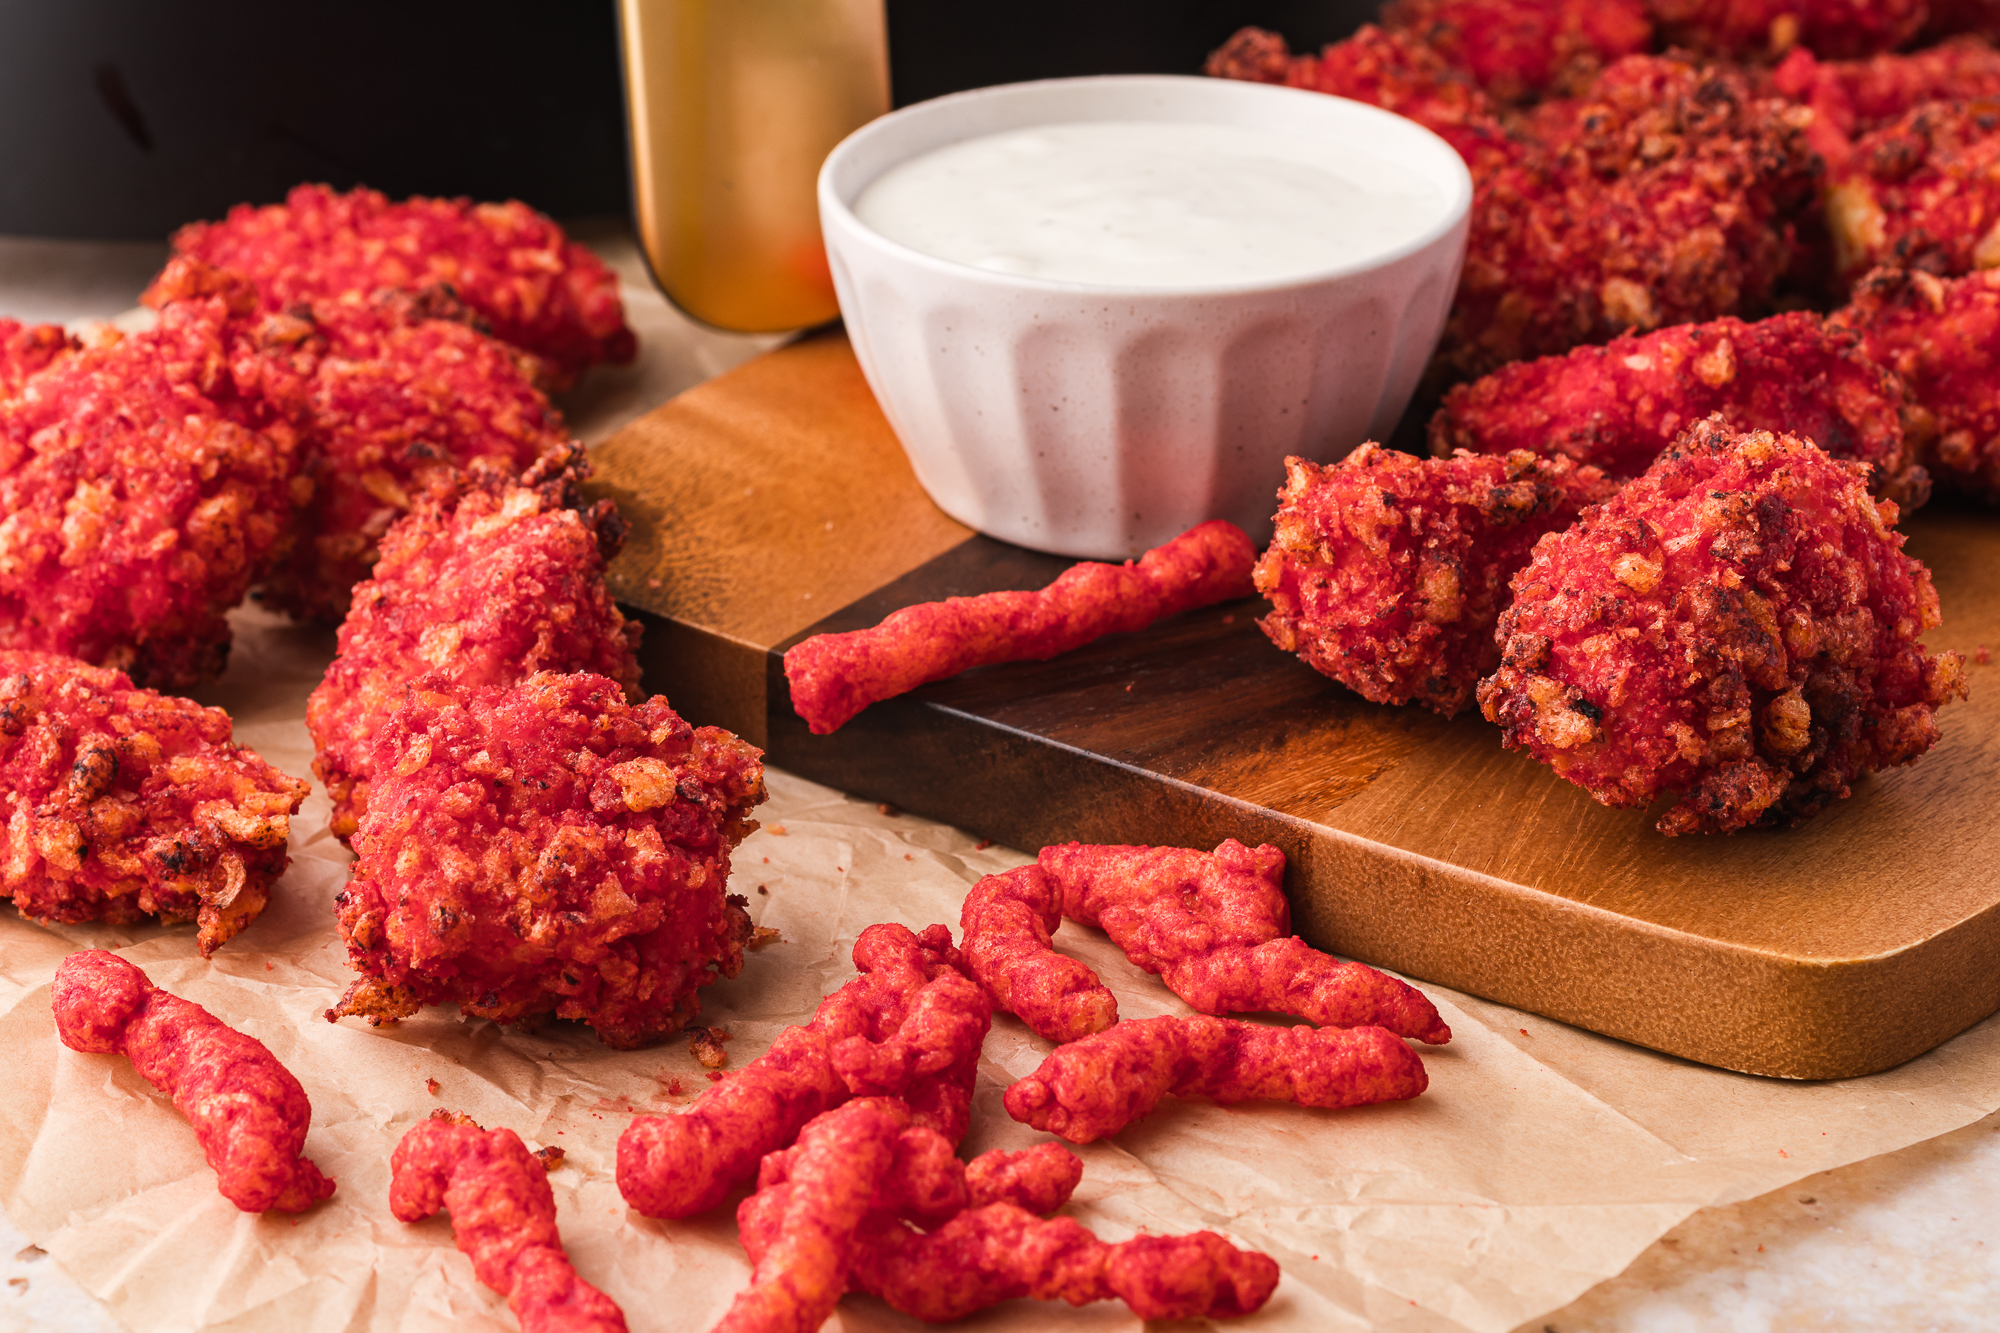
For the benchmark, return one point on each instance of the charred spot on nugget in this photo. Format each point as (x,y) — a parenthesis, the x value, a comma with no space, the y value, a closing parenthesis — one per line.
(1738,627)
(548,848)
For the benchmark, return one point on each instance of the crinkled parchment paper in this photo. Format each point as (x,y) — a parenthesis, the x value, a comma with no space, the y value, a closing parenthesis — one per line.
(1542,1160)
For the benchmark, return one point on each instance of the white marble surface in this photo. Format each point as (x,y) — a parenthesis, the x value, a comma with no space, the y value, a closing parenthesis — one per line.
(1907,1241)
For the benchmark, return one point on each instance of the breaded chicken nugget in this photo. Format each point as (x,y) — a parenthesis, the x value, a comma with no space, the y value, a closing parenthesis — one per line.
(484,586)
(28,349)
(548,848)
(1922,192)
(1388,572)
(1942,337)
(1616,407)
(146,481)
(123,804)
(1520,50)
(249,1113)
(1851,97)
(531,285)
(503,1216)
(1739,626)
(1767,29)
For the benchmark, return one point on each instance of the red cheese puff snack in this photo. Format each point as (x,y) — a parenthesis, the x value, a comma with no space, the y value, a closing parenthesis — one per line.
(1008,920)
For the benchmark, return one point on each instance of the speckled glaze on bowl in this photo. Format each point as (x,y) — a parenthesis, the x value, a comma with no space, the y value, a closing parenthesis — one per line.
(1100,421)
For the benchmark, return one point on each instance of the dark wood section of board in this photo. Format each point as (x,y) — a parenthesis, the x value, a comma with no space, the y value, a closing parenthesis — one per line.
(1845,946)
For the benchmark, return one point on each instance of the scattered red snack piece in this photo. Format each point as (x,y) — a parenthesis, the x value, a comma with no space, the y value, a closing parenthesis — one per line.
(1942,337)
(1215,926)
(1616,407)
(810,1202)
(146,482)
(1000,1252)
(1388,572)
(123,804)
(835,676)
(27,350)
(548,848)
(1097,1086)
(1039,1179)
(503,1215)
(484,586)
(1008,920)
(1922,192)
(1739,626)
(1767,29)
(249,1114)
(532,285)
(1519,50)
(911,1025)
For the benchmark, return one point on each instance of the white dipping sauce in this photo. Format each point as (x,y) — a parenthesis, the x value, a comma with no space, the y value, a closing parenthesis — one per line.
(1150,204)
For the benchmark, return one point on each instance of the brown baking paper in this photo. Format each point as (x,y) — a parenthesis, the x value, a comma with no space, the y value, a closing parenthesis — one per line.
(1542,1160)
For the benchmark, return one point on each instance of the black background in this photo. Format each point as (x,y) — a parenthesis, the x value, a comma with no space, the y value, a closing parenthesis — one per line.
(125,118)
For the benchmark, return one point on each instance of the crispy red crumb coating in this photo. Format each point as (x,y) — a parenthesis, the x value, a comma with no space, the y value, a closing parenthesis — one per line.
(528,282)
(1739,627)
(1095,1087)
(1002,1252)
(835,676)
(1008,920)
(1519,50)
(1215,926)
(1388,572)
(28,349)
(249,1114)
(1851,97)
(1942,337)
(146,481)
(1767,29)
(548,848)
(1922,192)
(503,1215)
(1617,406)
(124,804)
(483,586)
(1664,194)
(911,1025)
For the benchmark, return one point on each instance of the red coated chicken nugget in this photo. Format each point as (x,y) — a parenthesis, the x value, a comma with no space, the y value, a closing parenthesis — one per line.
(503,1215)
(835,676)
(1852,97)
(27,350)
(1922,192)
(1617,406)
(1008,920)
(548,848)
(123,804)
(483,586)
(1520,50)
(1739,627)
(1767,29)
(146,482)
(911,1025)
(1388,572)
(1942,337)
(1215,926)
(1097,1086)
(530,284)
(249,1114)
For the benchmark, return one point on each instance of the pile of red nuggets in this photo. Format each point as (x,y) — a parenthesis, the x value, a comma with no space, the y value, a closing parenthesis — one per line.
(1656,539)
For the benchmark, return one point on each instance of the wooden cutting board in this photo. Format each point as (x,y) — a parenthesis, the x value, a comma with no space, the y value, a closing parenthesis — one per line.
(774,502)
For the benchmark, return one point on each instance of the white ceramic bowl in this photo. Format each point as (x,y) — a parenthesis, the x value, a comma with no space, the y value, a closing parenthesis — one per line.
(1098,421)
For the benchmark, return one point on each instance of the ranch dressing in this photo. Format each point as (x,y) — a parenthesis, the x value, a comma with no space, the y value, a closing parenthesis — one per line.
(1150,204)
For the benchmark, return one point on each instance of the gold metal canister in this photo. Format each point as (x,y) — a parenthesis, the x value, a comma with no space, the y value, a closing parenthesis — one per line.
(733,105)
